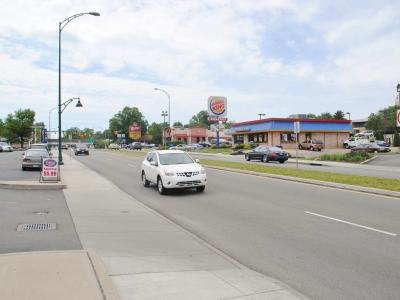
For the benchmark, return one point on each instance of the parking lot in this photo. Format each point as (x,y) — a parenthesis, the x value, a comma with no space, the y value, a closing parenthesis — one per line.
(10,167)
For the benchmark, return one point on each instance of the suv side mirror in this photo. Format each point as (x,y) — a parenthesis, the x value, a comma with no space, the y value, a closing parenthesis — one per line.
(154,163)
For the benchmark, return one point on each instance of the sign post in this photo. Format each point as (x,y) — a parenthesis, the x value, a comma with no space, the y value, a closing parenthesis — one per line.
(296,129)
(217,110)
(398,117)
(50,170)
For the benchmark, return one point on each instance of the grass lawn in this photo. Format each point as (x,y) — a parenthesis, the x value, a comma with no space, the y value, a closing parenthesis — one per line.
(366,181)
(210,150)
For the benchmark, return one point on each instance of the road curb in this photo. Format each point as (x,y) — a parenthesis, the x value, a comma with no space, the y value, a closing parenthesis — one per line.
(341,186)
(369,160)
(31,185)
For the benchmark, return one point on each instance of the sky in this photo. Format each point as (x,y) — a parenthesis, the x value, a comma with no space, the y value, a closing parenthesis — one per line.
(277,57)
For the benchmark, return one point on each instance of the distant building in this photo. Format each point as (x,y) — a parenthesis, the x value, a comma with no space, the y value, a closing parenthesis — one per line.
(298,116)
(197,134)
(279,131)
(359,125)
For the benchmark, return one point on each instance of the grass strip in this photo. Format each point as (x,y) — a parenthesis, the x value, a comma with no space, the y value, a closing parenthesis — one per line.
(365,181)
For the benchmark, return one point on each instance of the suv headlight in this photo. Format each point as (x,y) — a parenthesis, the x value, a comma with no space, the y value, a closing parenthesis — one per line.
(203,171)
(169,173)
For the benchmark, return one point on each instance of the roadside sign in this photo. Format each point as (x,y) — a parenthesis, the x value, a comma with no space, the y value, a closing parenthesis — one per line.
(135,131)
(50,169)
(216,119)
(217,106)
(398,118)
(296,128)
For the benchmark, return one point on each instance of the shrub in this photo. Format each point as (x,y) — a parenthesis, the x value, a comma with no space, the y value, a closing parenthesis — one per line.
(247,146)
(238,146)
(347,157)
(396,140)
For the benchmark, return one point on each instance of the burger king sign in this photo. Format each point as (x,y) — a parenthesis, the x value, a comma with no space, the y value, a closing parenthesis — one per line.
(217,106)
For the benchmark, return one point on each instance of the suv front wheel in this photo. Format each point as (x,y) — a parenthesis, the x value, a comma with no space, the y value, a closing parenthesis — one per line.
(160,187)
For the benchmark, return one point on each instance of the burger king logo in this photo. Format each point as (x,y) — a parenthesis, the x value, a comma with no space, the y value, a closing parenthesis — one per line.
(218,106)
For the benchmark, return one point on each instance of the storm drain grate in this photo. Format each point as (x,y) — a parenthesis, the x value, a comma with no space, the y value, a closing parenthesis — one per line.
(37,227)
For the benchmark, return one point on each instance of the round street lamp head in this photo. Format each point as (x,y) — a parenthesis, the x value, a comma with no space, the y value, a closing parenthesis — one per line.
(96,14)
(79,104)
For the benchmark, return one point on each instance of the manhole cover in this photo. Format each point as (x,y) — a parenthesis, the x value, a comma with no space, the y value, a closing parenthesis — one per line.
(37,227)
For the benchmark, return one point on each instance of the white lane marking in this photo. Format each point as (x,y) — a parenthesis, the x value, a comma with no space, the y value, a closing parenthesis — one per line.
(350,223)
(133,166)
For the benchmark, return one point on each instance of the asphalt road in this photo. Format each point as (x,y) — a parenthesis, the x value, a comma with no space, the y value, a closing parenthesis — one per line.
(24,206)
(10,167)
(389,169)
(391,160)
(325,243)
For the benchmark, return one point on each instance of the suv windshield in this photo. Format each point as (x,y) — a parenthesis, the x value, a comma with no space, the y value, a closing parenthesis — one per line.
(175,159)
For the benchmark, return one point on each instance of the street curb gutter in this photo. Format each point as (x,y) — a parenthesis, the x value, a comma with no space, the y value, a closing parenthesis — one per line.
(369,160)
(31,185)
(341,186)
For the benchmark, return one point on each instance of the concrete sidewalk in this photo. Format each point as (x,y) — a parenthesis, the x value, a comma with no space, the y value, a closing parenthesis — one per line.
(149,257)
(61,275)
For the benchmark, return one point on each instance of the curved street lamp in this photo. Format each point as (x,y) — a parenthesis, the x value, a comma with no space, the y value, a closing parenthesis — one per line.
(61,26)
(169,104)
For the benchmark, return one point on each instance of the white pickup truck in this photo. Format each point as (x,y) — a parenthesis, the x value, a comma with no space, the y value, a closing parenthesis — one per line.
(355,141)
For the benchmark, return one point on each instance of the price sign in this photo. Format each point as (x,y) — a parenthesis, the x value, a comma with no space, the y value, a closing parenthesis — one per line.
(49,169)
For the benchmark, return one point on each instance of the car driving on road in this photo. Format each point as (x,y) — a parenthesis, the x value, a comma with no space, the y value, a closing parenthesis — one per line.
(267,153)
(172,169)
(81,149)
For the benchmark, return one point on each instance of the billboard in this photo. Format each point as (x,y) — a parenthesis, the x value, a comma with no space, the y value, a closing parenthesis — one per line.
(135,131)
(217,106)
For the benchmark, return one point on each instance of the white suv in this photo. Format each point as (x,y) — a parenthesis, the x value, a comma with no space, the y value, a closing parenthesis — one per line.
(172,169)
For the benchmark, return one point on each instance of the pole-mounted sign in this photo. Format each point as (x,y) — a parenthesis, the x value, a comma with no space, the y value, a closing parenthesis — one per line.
(217,106)
(398,118)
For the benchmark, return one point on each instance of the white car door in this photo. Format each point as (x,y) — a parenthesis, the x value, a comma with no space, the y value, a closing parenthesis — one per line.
(151,173)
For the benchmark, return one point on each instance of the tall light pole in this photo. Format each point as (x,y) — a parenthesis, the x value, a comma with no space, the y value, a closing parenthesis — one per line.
(348,114)
(164,114)
(169,104)
(61,26)
(261,115)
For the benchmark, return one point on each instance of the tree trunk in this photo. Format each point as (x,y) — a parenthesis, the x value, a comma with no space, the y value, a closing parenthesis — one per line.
(22,141)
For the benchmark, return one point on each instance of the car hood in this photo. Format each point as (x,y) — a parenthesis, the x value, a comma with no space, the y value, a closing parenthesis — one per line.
(182,168)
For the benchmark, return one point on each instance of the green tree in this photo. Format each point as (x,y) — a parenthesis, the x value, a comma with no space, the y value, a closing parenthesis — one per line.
(338,115)
(19,125)
(128,115)
(155,130)
(177,124)
(396,140)
(72,133)
(325,116)
(311,116)
(2,128)
(200,119)
(384,121)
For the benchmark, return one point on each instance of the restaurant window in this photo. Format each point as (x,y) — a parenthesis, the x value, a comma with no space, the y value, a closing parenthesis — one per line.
(238,139)
(258,137)
(288,137)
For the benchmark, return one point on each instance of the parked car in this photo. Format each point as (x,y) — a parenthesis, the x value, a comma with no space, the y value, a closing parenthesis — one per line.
(179,147)
(194,146)
(205,144)
(355,141)
(135,146)
(171,169)
(312,145)
(114,146)
(32,158)
(39,146)
(370,148)
(382,143)
(81,149)
(266,154)
(4,147)
(64,147)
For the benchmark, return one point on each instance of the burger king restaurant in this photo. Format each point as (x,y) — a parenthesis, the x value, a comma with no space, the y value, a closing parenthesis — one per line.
(280,131)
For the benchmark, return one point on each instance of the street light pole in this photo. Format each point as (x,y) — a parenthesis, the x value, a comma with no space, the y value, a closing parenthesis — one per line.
(348,114)
(61,26)
(164,114)
(169,104)
(261,115)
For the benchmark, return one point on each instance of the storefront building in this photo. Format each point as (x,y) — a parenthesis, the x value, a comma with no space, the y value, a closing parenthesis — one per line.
(197,134)
(279,131)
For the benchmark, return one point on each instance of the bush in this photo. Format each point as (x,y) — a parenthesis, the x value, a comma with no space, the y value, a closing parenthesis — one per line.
(396,140)
(347,157)
(238,146)
(247,146)
(174,143)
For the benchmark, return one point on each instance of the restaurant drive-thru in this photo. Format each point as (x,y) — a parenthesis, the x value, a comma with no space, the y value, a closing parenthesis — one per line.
(280,131)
